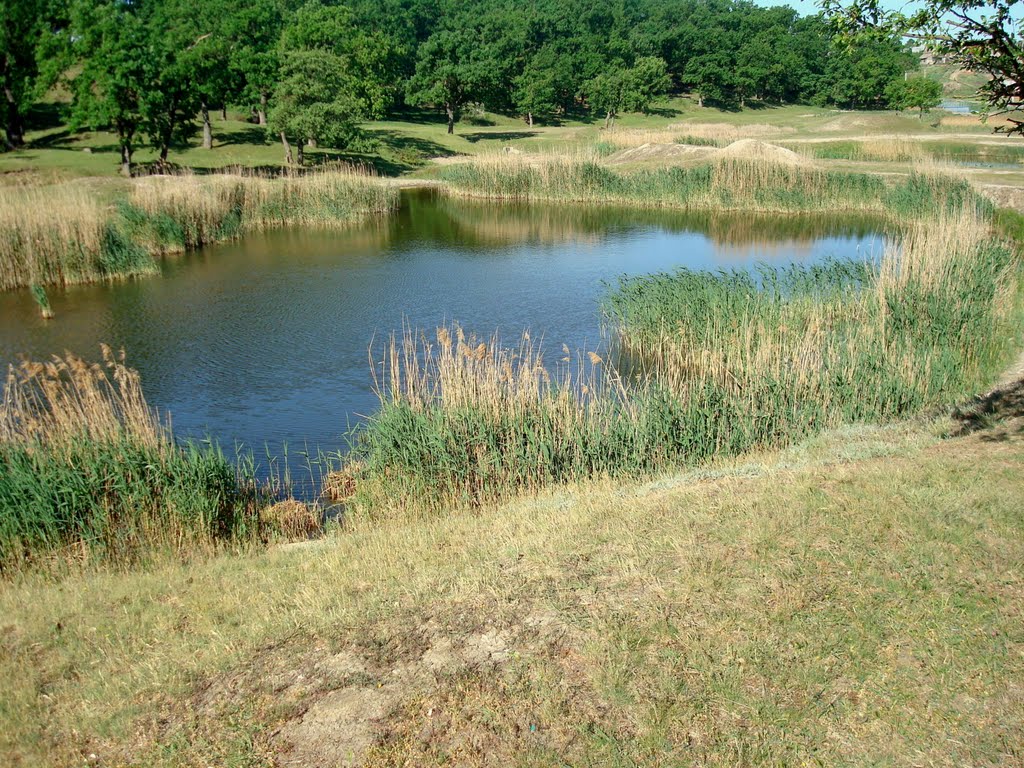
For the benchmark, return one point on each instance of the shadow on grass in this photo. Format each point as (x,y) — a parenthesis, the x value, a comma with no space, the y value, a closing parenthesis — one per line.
(243,136)
(667,112)
(473,138)
(400,153)
(997,416)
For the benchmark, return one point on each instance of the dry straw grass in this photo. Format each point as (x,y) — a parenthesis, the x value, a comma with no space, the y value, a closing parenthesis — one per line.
(68,399)
(49,234)
(715,133)
(63,234)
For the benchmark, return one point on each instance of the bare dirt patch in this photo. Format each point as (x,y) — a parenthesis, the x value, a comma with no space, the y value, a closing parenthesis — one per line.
(664,152)
(752,149)
(340,726)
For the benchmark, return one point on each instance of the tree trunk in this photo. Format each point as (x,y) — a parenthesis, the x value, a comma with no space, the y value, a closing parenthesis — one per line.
(224,113)
(450,112)
(262,111)
(608,118)
(207,128)
(126,159)
(15,128)
(311,143)
(529,119)
(287,149)
(300,154)
(700,100)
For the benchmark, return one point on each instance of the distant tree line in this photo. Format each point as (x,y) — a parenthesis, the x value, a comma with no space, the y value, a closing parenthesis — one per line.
(152,71)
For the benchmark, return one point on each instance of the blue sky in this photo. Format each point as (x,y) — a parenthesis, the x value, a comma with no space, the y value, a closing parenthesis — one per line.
(807,7)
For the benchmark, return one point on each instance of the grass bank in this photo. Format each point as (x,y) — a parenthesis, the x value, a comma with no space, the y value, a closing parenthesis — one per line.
(852,601)
(64,234)
(90,474)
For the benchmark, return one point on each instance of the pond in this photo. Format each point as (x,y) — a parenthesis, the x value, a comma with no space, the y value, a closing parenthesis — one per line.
(264,341)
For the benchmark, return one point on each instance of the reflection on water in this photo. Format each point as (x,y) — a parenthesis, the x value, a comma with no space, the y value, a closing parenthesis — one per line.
(265,340)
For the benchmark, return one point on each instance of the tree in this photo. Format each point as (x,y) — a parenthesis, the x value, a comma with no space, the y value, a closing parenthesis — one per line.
(914,93)
(111,41)
(979,35)
(451,71)
(857,77)
(315,99)
(332,77)
(534,89)
(26,28)
(630,90)
(255,31)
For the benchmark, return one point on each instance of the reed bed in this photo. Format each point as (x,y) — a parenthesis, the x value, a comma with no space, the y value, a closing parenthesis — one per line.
(931,321)
(89,472)
(63,234)
(702,364)
(188,211)
(464,420)
(728,182)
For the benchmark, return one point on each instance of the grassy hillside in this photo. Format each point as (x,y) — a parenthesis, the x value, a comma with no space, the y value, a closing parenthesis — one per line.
(853,601)
(406,143)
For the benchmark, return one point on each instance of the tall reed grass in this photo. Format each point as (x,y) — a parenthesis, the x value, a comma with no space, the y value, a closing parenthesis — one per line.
(188,211)
(63,234)
(89,473)
(728,182)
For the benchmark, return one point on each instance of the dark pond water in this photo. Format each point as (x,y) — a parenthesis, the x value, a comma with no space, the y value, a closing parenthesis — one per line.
(265,341)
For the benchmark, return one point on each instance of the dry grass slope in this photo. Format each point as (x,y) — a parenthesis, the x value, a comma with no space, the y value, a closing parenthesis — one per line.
(854,608)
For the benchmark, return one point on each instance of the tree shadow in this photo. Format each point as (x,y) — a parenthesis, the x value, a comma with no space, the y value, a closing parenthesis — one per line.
(997,416)
(473,138)
(250,135)
(667,112)
(402,153)
(43,116)
(417,115)
(57,139)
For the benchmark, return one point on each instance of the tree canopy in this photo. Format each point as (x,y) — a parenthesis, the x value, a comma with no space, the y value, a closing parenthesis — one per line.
(152,71)
(985,36)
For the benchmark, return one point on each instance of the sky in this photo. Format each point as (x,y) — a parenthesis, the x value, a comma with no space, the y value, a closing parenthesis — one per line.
(808,7)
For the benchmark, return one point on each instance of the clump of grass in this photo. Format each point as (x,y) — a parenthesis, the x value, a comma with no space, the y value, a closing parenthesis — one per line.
(61,234)
(187,211)
(42,301)
(331,197)
(728,182)
(89,473)
(699,141)
(464,420)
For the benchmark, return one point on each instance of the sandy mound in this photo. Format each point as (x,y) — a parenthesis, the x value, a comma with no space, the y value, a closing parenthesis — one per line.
(752,149)
(648,152)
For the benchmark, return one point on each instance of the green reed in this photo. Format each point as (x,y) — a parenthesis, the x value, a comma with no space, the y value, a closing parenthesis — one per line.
(724,184)
(89,474)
